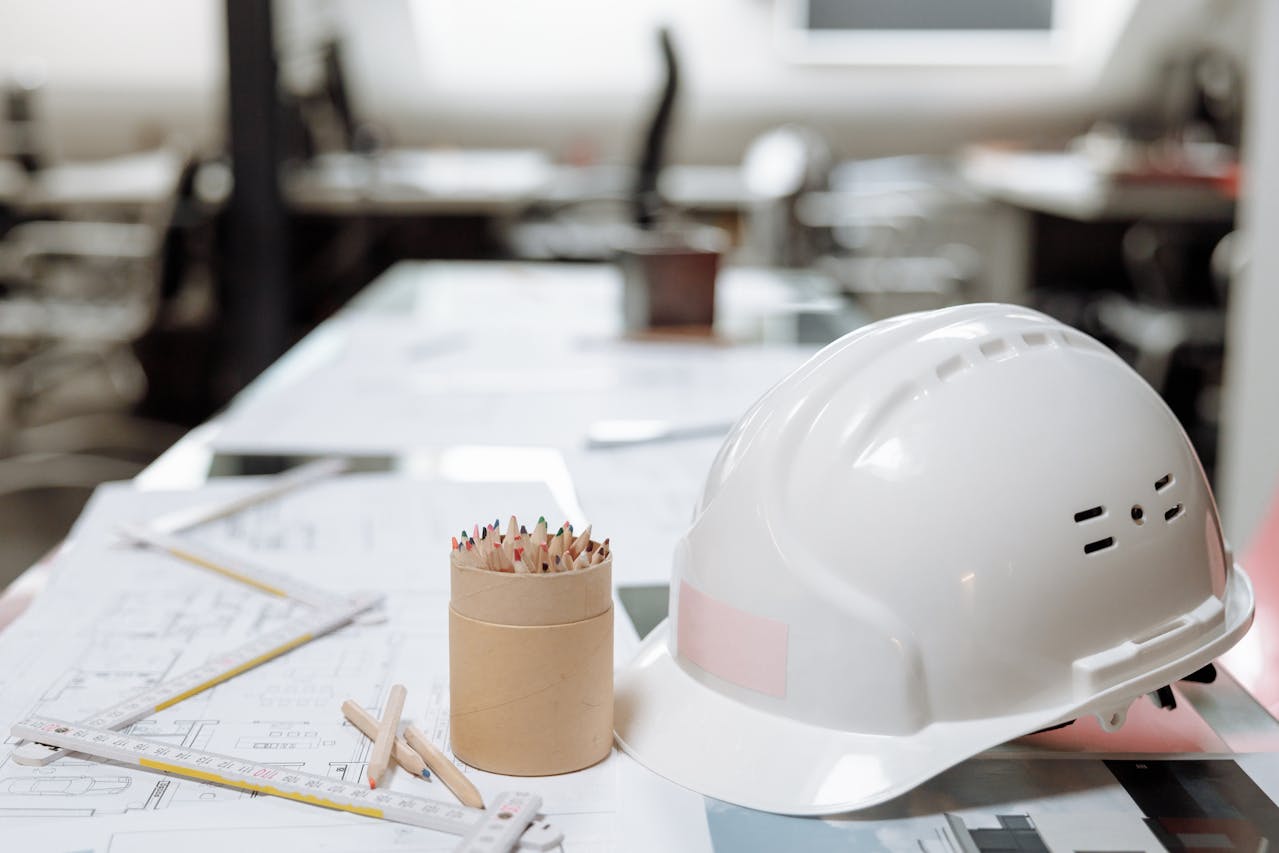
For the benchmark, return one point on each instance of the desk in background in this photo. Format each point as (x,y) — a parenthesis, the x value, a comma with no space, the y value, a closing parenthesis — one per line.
(1070,186)
(492,182)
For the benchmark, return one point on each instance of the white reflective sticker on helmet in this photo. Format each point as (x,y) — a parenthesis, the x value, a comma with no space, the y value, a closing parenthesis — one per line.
(739,647)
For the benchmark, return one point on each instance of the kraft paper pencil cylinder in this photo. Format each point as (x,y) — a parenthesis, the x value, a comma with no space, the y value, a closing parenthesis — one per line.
(531,668)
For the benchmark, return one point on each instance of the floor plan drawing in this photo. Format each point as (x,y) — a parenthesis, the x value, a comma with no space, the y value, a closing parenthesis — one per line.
(117,619)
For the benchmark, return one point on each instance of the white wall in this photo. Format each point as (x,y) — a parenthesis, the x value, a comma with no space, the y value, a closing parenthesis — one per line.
(574,76)
(580,73)
(118,76)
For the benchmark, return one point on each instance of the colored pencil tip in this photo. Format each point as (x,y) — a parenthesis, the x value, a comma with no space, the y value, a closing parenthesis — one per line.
(523,530)
(426,774)
(541,519)
(372,784)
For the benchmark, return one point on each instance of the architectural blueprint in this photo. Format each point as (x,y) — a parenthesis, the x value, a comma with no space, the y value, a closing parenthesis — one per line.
(404,388)
(116,618)
(643,496)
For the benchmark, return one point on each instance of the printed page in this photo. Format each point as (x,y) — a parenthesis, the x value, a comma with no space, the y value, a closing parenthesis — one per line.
(115,619)
(383,385)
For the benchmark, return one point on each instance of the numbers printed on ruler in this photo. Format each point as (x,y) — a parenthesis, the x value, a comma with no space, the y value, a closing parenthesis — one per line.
(496,830)
(504,824)
(512,820)
(308,626)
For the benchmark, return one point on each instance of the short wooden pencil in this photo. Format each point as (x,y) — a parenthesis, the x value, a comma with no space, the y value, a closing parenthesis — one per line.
(387,727)
(403,754)
(446,771)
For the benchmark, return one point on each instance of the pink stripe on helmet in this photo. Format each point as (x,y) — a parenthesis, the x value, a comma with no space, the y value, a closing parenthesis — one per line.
(739,647)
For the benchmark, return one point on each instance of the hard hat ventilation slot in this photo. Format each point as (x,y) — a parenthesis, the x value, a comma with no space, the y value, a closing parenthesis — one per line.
(1099,545)
(951,367)
(1163,482)
(1173,513)
(1036,339)
(997,349)
(1091,512)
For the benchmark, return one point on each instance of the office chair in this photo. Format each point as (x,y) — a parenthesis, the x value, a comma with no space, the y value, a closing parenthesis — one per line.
(24,145)
(1179,272)
(79,294)
(646,201)
(594,224)
(1172,329)
(1167,314)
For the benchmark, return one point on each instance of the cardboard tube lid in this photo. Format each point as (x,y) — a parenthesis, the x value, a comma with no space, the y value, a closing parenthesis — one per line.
(507,598)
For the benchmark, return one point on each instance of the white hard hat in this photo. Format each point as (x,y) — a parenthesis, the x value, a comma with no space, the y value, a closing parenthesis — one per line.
(944,531)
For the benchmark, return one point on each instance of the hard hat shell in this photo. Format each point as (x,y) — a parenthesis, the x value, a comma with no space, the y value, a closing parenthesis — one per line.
(943,531)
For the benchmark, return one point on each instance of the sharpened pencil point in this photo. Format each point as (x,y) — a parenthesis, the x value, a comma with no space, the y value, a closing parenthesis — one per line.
(372,784)
(426,774)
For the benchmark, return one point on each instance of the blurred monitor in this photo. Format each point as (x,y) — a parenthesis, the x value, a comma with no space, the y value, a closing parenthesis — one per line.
(922,32)
(965,15)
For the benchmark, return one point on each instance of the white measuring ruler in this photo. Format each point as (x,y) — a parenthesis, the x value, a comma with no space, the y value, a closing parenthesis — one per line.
(273,486)
(157,697)
(235,568)
(499,828)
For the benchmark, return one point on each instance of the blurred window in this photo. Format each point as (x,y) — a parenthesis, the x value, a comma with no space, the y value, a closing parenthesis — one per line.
(930,15)
(943,32)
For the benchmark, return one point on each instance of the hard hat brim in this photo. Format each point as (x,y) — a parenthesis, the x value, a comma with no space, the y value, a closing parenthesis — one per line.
(710,743)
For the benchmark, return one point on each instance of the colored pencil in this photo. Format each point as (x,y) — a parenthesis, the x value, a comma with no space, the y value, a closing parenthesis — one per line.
(446,771)
(387,728)
(403,754)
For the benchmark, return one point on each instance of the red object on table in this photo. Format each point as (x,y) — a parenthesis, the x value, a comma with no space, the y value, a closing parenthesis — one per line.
(1254,662)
